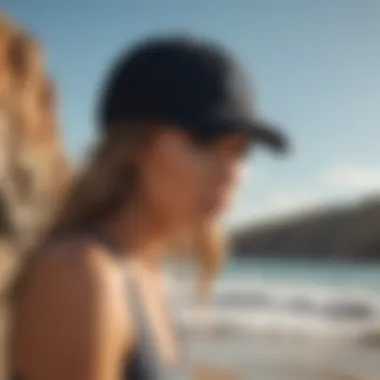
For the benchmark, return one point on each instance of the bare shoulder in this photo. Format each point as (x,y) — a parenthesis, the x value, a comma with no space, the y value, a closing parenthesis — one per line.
(71,308)
(76,276)
(75,263)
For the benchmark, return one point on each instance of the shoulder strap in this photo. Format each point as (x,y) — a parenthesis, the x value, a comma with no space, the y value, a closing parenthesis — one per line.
(134,301)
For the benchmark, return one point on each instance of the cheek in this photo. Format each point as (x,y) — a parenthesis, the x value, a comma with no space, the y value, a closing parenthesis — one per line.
(239,173)
(175,181)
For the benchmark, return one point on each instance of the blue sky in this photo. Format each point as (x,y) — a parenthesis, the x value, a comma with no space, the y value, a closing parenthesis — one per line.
(315,64)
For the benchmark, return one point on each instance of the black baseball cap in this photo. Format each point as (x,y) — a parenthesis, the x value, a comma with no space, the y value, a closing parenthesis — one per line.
(187,83)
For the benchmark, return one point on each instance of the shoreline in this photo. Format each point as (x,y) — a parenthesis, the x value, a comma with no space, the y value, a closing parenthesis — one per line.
(273,359)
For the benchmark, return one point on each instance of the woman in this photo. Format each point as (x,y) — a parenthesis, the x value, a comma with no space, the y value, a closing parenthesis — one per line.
(175,124)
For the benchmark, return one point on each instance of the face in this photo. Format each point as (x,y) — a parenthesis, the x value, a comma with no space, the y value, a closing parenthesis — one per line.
(188,183)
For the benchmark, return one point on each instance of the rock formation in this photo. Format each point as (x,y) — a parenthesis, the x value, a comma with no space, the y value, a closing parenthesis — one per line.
(33,170)
(350,233)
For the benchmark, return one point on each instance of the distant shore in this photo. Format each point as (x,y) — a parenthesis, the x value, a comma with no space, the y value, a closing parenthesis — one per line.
(343,233)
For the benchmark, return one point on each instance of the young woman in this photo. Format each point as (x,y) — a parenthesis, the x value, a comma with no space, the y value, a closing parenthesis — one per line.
(175,124)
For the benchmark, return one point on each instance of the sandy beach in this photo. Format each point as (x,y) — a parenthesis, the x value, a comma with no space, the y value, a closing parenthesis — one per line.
(294,324)
(264,358)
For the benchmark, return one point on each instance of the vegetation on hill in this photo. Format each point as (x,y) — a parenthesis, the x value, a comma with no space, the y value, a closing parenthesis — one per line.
(346,233)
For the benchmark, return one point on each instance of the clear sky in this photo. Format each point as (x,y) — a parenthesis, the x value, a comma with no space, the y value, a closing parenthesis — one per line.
(315,64)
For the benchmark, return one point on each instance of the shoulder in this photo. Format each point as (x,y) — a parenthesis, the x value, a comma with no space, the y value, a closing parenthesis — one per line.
(72,263)
(74,277)
(69,312)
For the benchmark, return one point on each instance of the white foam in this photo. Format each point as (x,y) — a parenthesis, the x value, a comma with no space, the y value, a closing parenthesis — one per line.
(281,308)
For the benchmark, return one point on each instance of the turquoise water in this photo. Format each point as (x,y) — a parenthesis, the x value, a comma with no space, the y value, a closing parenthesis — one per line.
(310,298)
(305,272)
(279,341)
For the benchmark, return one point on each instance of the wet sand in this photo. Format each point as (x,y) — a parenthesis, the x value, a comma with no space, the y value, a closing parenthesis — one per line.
(263,358)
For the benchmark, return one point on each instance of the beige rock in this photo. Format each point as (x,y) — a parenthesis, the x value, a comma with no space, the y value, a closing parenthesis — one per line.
(33,171)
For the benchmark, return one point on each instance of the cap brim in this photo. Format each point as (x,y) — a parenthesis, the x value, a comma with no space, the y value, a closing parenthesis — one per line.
(260,131)
(268,134)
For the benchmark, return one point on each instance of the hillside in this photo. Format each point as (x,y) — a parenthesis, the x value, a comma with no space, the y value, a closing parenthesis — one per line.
(345,233)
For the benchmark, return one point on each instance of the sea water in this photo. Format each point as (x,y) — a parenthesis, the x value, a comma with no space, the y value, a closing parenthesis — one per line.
(283,319)
(309,272)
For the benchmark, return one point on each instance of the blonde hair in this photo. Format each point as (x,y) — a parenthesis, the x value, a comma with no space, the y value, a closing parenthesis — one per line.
(212,249)
(102,186)
(206,246)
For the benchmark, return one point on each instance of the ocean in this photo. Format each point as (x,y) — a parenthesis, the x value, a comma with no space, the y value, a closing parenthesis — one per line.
(286,320)
(306,272)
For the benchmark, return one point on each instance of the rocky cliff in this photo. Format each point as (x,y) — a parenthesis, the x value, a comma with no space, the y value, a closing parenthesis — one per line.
(32,166)
(33,171)
(342,233)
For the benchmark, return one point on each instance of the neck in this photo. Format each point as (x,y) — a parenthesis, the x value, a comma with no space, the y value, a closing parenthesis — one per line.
(142,236)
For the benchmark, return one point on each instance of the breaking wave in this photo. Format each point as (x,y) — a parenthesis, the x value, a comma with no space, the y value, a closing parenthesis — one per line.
(280,308)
